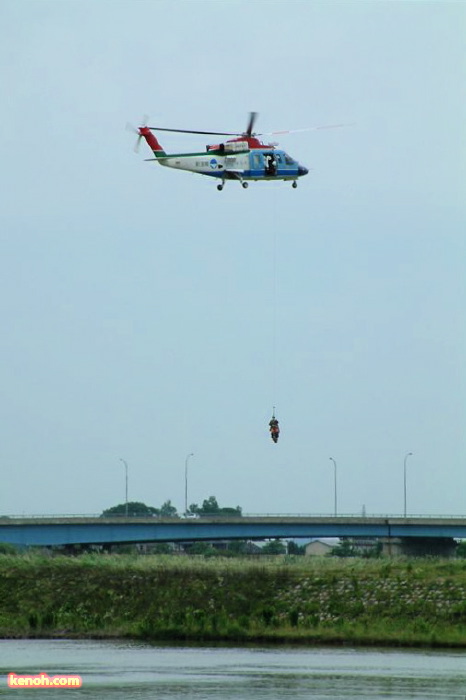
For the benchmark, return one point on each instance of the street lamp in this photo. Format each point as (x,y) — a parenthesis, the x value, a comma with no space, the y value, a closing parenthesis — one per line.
(126,485)
(191,454)
(335,495)
(408,454)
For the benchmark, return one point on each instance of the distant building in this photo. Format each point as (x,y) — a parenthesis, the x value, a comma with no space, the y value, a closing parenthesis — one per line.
(318,548)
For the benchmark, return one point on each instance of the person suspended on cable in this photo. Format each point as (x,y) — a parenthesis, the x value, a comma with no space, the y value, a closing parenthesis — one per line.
(274,429)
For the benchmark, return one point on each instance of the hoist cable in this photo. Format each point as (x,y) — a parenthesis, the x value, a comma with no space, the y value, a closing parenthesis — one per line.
(274,315)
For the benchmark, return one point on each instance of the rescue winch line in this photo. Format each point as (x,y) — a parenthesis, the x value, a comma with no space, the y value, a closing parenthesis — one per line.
(273,423)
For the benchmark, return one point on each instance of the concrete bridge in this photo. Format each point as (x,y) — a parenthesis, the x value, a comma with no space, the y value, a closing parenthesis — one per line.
(437,532)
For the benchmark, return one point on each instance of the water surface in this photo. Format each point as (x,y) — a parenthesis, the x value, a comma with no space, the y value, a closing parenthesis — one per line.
(114,670)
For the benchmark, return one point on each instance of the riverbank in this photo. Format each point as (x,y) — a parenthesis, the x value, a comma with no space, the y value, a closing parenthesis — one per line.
(284,599)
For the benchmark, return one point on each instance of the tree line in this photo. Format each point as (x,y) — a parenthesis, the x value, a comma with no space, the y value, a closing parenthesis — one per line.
(133,509)
(210,507)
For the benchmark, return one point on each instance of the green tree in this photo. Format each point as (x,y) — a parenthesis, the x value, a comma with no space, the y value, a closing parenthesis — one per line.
(204,548)
(344,549)
(210,507)
(238,547)
(161,548)
(294,548)
(274,547)
(168,511)
(135,508)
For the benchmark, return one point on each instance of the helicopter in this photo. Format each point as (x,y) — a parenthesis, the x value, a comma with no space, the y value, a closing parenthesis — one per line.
(242,158)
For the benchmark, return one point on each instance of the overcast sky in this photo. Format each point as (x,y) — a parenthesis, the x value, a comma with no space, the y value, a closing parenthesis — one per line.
(137,302)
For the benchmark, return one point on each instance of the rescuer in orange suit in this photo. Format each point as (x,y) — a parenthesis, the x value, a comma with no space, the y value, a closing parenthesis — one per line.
(274,429)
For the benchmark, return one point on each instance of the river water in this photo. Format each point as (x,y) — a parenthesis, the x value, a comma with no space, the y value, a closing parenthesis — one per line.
(117,670)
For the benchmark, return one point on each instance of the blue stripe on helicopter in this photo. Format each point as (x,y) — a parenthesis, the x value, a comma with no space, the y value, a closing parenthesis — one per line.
(258,174)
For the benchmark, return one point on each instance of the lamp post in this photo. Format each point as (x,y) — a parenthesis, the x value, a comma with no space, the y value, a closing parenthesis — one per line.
(408,454)
(191,454)
(126,485)
(335,494)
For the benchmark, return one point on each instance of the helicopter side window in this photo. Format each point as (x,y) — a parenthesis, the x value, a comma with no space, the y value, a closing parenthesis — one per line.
(257,161)
(289,160)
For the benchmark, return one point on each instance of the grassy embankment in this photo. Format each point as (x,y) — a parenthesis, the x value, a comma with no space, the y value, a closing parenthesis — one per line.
(292,599)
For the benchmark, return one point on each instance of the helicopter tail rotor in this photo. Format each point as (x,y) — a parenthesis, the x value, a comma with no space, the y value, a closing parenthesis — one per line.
(132,128)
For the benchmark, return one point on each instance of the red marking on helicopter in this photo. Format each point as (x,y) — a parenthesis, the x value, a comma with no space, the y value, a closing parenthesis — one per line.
(150,138)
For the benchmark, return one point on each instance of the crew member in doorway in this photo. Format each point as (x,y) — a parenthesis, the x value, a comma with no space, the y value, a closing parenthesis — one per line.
(274,429)
(270,164)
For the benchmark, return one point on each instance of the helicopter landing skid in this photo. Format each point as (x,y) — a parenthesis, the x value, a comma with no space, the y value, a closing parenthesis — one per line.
(244,184)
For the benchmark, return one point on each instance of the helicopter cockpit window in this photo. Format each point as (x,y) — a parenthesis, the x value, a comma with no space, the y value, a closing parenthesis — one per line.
(289,160)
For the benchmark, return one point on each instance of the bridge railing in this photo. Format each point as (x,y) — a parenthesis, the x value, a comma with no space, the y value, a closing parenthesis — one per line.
(58,516)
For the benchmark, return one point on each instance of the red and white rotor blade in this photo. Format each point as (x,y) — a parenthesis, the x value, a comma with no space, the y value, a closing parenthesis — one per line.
(308,128)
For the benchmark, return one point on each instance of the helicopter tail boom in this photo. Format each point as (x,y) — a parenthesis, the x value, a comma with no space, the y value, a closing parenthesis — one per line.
(152,142)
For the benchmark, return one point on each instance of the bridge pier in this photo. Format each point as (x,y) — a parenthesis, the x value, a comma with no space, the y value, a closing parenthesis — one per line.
(418,547)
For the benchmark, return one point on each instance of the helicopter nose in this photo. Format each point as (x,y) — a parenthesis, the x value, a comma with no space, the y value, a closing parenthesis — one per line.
(302,170)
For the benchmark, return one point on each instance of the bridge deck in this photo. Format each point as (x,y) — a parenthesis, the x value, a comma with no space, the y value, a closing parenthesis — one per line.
(64,530)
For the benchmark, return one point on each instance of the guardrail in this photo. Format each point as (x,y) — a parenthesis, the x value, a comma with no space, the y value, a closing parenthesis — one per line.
(36,516)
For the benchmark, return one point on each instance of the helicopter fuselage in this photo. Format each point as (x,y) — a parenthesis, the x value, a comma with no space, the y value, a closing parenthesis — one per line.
(257,164)
(243,159)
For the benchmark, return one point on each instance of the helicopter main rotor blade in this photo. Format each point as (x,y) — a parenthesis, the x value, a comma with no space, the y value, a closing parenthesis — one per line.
(308,128)
(252,119)
(191,131)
